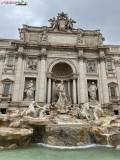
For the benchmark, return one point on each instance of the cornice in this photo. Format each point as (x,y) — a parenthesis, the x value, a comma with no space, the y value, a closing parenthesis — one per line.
(103,48)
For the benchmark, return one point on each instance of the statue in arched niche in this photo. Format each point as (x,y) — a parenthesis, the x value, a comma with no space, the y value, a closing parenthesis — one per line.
(92,91)
(63,97)
(29,91)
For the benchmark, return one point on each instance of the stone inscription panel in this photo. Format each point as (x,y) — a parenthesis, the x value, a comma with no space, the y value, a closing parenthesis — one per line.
(62,39)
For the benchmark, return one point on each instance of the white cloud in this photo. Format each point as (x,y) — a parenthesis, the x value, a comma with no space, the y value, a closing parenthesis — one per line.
(89,14)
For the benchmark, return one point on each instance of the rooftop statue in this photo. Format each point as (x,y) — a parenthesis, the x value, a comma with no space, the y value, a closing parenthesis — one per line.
(62,23)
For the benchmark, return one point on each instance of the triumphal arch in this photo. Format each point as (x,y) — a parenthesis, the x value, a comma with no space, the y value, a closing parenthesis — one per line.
(59,64)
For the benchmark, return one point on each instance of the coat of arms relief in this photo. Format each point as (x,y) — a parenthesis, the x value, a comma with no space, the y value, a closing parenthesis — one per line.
(62,23)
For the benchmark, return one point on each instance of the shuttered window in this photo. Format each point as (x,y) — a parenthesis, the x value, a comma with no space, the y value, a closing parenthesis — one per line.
(6,89)
(112,92)
(10,61)
(109,65)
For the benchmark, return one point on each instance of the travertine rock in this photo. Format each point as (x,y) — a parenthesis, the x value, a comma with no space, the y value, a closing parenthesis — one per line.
(10,136)
(118,148)
(67,135)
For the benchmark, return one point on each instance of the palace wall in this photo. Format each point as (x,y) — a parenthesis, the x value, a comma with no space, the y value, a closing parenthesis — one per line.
(43,56)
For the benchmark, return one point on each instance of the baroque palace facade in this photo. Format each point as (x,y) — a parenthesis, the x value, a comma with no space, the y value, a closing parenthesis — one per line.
(31,68)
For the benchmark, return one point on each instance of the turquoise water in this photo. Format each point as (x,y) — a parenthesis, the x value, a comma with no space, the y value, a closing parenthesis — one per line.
(37,152)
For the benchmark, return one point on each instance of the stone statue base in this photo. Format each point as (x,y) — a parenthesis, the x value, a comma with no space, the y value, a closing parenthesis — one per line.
(94,102)
(62,109)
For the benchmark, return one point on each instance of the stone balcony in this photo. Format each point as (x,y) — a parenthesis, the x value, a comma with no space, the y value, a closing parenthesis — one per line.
(5,98)
(115,100)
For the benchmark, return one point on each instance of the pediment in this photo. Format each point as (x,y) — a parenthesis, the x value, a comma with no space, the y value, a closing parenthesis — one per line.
(112,84)
(7,80)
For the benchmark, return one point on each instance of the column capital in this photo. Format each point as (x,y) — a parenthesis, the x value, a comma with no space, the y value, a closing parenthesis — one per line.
(43,54)
(48,74)
(75,76)
(117,63)
(81,58)
(101,59)
(20,55)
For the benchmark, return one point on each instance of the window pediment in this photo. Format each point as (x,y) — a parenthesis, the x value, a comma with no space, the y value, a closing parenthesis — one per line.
(112,84)
(7,80)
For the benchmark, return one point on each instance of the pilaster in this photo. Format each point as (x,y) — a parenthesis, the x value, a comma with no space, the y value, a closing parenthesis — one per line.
(42,77)
(82,78)
(17,83)
(2,59)
(103,77)
(117,65)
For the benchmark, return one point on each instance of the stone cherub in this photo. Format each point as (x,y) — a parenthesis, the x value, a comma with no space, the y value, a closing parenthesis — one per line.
(54,23)
(70,24)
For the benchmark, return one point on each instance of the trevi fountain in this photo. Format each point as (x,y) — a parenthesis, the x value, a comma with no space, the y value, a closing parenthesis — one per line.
(59,95)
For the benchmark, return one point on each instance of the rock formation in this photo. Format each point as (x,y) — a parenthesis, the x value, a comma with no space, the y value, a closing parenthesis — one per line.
(59,129)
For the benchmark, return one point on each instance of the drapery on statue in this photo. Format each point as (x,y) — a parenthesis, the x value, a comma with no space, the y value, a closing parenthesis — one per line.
(29,91)
(63,98)
(92,91)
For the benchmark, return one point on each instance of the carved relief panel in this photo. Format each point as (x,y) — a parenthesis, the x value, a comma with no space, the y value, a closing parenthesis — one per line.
(91,66)
(31,64)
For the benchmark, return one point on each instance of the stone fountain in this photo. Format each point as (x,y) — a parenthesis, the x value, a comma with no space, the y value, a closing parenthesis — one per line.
(61,123)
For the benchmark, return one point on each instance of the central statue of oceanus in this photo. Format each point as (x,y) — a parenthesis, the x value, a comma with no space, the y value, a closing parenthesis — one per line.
(63,99)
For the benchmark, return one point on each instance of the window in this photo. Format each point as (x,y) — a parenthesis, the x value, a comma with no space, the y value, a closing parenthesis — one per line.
(6,89)
(113,92)
(13,44)
(109,65)
(10,61)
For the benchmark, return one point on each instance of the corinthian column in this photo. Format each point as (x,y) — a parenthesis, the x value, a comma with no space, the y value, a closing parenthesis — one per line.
(49,91)
(74,92)
(103,77)
(18,77)
(117,65)
(2,58)
(82,78)
(42,76)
